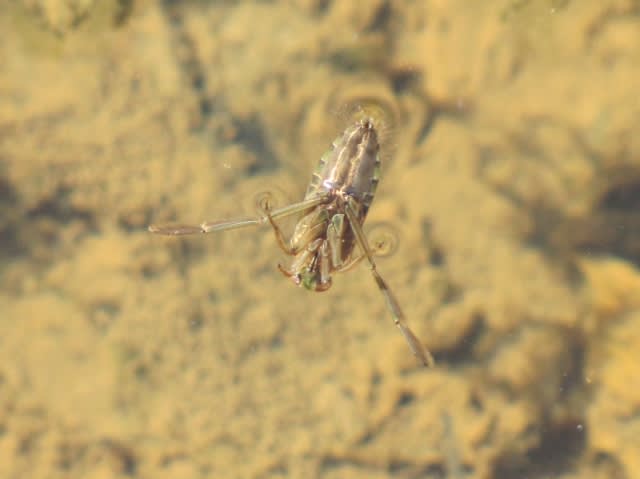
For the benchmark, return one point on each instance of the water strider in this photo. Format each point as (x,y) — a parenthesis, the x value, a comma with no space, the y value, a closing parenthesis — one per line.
(331,216)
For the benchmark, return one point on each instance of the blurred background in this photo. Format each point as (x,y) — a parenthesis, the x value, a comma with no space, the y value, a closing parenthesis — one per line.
(513,188)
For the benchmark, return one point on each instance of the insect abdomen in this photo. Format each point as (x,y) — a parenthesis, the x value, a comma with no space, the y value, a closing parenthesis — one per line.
(352,166)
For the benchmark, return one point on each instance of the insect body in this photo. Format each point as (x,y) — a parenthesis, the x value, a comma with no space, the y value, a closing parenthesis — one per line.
(331,214)
(323,240)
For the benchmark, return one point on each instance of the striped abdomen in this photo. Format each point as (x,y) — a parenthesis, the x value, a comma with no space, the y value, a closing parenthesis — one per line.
(352,166)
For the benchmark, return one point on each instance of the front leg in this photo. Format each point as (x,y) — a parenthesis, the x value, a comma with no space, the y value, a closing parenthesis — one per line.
(296,208)
(282,241)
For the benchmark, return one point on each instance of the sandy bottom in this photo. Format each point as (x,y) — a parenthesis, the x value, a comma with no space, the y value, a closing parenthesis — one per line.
(513,189)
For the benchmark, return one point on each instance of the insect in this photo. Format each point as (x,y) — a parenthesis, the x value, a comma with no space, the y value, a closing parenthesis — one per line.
(328,237)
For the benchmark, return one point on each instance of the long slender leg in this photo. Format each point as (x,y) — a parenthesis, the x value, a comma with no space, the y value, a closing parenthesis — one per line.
(417,348)
(207,227)
(224,225)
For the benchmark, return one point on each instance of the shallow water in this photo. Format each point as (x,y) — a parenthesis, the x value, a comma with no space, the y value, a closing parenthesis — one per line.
(512,187)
